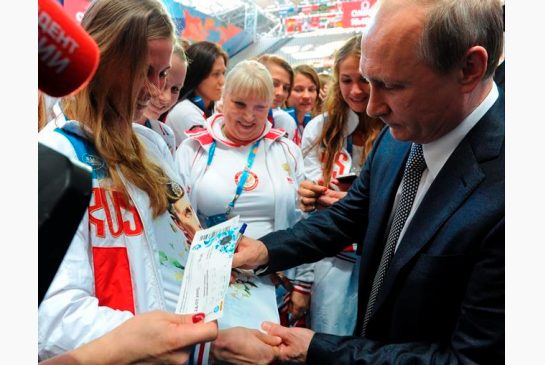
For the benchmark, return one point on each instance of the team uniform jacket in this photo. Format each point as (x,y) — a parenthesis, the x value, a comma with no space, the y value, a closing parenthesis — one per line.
(285,165)
(285,121)
(313,163)
(110,271)
(334,293)
(183,116)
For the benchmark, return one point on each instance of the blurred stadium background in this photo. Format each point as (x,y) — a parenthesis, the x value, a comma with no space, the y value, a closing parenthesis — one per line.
(301,31)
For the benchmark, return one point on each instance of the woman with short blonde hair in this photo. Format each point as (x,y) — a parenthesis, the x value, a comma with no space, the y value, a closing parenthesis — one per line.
(238,165)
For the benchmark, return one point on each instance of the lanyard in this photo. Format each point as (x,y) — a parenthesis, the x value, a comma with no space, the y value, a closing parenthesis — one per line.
(245,172)
(270,117)
(349,145)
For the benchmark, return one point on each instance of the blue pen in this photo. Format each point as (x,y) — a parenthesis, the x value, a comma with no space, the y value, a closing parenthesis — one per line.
(242,230)
(240,233)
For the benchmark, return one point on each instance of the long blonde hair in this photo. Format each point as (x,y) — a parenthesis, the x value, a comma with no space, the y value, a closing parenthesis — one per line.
(107,105)
(332,138)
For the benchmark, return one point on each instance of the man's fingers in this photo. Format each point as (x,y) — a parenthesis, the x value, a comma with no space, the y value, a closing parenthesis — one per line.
(241,259)
(277,330)
(268,339)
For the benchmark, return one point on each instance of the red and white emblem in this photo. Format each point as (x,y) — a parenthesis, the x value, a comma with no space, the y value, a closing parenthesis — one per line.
(251,181)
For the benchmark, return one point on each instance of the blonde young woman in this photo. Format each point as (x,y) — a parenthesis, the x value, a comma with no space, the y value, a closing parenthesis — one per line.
(161,103)
(240,165)
(337,143)
(127,255)
(303,102)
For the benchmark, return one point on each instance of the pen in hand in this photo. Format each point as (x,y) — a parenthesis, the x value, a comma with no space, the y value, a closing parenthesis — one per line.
(240,234)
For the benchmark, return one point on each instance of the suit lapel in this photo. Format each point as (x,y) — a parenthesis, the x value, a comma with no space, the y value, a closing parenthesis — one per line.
(449,190)
(460,176)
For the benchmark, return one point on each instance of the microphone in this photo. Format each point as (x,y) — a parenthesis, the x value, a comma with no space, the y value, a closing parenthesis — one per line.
(67,55)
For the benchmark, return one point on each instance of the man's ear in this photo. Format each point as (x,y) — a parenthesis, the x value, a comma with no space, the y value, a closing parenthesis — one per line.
(473,68)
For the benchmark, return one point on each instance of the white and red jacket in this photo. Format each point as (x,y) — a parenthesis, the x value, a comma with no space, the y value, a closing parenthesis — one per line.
(110,271)
(285,121)
(183,116)
(192,156)
(285,166)
(313,157)
(191,159)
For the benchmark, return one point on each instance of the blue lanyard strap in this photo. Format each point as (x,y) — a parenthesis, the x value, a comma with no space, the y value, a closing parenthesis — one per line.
(245,172)
(349,145)
(211,152)
(270,117)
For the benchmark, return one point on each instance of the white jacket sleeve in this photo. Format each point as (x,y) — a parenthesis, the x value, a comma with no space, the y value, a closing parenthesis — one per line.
(301,276)
(69,314)
(182,117)
(184,158)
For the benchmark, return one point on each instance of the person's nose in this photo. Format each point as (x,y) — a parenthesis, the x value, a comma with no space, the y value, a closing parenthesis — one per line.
(356,90)
(155,85)
(221,80)
(376,106)
(248,115)
(278,91)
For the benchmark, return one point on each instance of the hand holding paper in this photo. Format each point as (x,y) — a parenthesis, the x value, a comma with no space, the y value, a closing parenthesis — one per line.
(208,269)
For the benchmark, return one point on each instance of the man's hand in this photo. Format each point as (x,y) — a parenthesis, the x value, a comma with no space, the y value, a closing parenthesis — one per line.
(250,254)
(295,341)
(239,345)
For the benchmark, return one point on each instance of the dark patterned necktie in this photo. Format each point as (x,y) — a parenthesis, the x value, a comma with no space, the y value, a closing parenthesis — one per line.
(411,179)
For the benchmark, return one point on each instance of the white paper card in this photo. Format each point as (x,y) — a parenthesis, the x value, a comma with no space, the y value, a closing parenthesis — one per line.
(208,270)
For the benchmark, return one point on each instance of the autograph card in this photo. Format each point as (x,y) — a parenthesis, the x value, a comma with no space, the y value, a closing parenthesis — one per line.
(208,270)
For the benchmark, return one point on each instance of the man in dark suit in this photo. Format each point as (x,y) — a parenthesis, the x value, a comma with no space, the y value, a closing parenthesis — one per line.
(432,245)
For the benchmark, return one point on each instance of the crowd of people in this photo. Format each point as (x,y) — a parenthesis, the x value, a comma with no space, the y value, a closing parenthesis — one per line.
(374,196)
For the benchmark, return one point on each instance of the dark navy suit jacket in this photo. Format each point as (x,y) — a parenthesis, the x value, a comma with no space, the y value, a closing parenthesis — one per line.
(443,298)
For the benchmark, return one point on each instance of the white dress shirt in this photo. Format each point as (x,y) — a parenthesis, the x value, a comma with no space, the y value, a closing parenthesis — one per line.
(436,154)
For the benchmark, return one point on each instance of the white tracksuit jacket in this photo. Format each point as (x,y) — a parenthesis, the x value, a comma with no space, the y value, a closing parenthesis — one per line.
(112,242)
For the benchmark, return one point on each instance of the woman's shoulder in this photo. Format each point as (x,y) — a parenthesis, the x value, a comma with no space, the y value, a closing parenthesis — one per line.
(317,121)
(153,141)
(57,141)
(286,144)
(183,110)
(314,127)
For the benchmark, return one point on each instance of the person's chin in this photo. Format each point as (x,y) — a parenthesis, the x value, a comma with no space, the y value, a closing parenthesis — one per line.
(358,107)
(152,115)
(399,133)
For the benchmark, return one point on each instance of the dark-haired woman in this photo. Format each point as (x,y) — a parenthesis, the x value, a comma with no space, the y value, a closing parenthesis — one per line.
(203,87)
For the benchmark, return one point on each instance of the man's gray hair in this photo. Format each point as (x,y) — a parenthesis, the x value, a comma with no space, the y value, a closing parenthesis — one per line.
(453,26)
